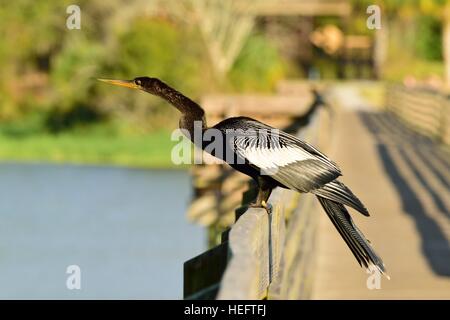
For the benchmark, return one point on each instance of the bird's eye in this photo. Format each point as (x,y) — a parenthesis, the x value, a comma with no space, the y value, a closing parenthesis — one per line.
(138,82)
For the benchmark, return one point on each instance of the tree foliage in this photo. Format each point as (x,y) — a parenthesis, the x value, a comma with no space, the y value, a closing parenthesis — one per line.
(48,69)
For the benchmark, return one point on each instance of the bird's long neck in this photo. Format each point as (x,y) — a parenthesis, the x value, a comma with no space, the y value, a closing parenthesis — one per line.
(192,115)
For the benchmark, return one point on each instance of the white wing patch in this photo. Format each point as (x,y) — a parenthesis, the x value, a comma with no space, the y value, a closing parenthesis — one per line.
(267,158)
(284,159)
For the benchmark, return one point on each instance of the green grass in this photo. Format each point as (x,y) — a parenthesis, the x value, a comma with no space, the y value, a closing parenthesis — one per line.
(420,69)
(147,150)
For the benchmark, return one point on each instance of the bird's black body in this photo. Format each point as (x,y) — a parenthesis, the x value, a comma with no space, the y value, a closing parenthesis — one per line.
(241,163)
(273,159)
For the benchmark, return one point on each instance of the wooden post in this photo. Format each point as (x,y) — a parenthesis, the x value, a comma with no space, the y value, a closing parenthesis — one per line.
(381,47)
(446,45)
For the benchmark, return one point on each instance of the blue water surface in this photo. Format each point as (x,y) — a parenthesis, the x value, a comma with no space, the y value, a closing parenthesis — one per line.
(125,228)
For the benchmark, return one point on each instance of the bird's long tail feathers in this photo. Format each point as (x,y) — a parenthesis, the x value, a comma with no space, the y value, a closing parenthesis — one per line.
(358,244)
(339,192)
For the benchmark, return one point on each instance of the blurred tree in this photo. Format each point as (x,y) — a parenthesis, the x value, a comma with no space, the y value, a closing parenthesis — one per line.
(224,25)
(416,25)
(429,38)
(159,48)
(224,28)
(47,69)
(258,66)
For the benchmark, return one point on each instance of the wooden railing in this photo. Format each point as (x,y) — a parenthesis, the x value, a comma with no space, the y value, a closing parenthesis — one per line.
(424,110)
(262,255)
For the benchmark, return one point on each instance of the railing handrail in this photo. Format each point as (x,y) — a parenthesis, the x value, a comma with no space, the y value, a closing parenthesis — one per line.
(425,110)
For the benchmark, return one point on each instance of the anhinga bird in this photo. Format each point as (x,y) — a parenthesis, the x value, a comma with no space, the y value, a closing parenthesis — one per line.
(274,159)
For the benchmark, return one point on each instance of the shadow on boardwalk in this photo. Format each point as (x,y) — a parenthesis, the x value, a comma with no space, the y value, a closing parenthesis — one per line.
(430,167)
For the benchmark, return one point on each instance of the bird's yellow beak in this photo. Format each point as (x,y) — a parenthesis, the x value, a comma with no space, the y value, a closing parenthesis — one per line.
(121,83)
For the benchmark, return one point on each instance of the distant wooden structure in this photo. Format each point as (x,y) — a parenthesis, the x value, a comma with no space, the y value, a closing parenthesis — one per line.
(279,110)
(358,54)
(355,55)
(300,8)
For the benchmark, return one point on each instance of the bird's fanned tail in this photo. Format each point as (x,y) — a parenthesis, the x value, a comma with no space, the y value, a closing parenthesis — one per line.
(358,244)
(340,193)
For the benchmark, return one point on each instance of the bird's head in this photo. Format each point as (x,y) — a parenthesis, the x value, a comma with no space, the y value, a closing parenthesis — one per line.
(150,85)
(158,88)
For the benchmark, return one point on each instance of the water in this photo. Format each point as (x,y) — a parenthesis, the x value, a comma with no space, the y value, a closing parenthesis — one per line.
(126,230)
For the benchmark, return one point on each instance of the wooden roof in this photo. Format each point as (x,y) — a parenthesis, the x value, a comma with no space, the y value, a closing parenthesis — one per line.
(299,7)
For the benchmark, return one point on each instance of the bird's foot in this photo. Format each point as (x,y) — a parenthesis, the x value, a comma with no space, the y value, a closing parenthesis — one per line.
(267,206)
(263,204)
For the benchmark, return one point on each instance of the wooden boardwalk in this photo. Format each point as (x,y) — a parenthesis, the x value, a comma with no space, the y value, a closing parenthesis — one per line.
(404,180)
(402,177)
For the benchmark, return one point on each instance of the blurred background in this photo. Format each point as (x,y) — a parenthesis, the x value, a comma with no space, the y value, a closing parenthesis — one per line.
(86,172)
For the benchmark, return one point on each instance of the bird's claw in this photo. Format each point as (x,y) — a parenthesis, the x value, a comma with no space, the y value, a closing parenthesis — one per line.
(267,206)
(264,205)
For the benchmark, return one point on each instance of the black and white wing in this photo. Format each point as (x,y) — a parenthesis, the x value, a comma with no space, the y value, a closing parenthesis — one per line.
(285,158)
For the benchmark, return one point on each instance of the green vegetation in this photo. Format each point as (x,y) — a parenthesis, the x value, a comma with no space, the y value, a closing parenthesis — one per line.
(259,66)
(417,43)
(429,38)
(53,109)
(97,146)
(414,29)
